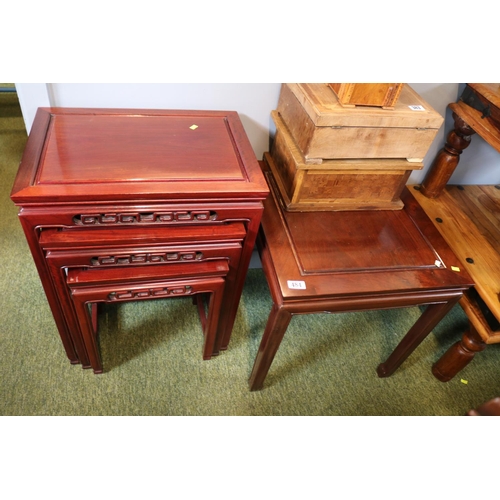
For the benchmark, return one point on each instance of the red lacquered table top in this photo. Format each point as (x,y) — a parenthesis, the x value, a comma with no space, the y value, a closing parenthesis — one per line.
(328,254)
(104,154)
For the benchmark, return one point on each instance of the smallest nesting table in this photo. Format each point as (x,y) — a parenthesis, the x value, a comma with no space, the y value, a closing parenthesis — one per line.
(91,286)
(354,261)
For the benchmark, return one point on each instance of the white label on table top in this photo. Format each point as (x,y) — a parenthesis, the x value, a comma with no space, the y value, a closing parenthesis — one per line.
(296,285)
(417,107)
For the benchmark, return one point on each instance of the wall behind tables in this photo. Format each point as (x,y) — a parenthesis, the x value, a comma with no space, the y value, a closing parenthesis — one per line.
(479,164)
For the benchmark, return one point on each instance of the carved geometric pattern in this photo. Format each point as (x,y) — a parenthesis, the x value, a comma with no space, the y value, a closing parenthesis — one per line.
(145,217)
(144,258)
(150,292)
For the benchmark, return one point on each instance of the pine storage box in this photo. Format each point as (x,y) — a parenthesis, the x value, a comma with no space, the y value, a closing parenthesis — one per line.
(366,184)
(323,129)
(367,94)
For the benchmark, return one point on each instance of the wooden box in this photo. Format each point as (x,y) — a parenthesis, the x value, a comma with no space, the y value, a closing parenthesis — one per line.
(367,184)
(384,95)
(323,129)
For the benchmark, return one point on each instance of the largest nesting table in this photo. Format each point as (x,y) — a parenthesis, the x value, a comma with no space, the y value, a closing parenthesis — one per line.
(125,188)
(337,262)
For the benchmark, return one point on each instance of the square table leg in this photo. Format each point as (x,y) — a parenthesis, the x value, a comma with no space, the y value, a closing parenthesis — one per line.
(433,314)
(277,323)
(280,316)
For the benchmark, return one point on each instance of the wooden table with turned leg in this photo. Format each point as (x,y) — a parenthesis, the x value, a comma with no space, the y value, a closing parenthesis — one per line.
(468,217)
(354,261)
(476,112)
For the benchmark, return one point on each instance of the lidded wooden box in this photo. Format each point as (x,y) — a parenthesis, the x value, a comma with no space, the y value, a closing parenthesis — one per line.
(384,95)
(324,129)
(350,184)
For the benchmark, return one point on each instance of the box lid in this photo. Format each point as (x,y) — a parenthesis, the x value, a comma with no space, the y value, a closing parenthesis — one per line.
(324,109)
(490,91)
(317,164)
(117,154)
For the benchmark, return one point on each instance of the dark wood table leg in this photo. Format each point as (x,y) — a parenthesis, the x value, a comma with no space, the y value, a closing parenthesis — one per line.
(277,323)
(89,334)
(433,314)
(233,295)
(489,409)
(447,159)
(458,356)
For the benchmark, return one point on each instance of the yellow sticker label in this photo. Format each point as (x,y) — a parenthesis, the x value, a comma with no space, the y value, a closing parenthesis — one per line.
(455,268)
(193,127)
(464,381)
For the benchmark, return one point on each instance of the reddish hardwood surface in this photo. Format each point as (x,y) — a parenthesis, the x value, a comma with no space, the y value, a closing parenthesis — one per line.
(366,251)
(125,154)
(352,261)
(137,187)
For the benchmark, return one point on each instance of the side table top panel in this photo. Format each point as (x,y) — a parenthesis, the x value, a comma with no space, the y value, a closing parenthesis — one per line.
(362,252)
(114,154)
(363,240)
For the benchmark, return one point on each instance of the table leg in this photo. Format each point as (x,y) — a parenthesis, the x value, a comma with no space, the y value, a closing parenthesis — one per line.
(458,356)
(233,294)
(212,321)
(447,159)
(51,294)
(88,333)
(489,409)
(424,325)
(278,322)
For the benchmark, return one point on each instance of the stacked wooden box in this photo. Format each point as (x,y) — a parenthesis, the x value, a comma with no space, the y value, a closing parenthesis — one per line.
(326,156)
(385,95)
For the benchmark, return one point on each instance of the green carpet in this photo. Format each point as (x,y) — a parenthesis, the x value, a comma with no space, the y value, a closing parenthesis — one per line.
(152,350)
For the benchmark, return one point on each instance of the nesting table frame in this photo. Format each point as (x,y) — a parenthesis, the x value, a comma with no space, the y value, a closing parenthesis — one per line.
(115,176)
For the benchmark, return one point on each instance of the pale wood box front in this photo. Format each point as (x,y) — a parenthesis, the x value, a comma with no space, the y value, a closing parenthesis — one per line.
(323,129)
(384,95)
(366,184)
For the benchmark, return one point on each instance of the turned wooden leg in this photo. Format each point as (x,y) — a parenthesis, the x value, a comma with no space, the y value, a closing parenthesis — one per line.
(447,159)
(278,322)
(458,356)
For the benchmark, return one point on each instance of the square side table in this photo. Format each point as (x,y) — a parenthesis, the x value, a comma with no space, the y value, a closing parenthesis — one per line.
(354,261)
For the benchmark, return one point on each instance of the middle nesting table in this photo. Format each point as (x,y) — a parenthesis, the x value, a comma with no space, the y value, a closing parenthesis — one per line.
(89,266)
(353,261)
